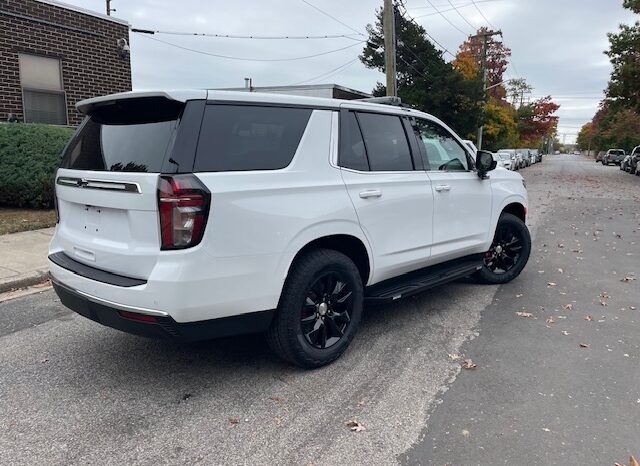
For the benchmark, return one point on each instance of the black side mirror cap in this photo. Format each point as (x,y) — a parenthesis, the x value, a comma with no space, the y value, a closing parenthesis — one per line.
(485,163)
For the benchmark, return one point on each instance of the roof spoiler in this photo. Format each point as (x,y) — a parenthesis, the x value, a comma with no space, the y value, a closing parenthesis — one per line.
(387,100)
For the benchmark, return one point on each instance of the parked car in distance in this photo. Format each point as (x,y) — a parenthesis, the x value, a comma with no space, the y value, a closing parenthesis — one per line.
(512,156)
(537,154)
(600,156)
(635,158)
(198,214)
(614,156)
(524,156)
(625,165)
(503,159)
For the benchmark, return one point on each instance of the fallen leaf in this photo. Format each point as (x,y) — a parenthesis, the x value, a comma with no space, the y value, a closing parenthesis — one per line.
(454,357)
(468,364)
(604,294)
(603,303)
(628,279)
(233,420)
(568,307)
(524,314)
(276,398)
(546,429)
(361,403)
(560,270)
(584,345)
(186,396)
(355,426)
(551,284)
(633,461)
(565,333)
(465,433)
(551,320)
(589,318)
(519,295)
(42,361)
(633,308)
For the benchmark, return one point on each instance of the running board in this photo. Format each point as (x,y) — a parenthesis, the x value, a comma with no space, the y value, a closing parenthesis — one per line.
(421,280)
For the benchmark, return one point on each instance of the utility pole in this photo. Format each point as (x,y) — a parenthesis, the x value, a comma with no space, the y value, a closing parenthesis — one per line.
(109,9)
(485,40)
(389,29)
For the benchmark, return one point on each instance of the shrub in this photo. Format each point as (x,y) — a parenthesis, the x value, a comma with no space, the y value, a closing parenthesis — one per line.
(29,157)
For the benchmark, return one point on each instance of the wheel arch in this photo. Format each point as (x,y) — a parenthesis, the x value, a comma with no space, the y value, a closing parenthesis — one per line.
(351,246)
(517,209)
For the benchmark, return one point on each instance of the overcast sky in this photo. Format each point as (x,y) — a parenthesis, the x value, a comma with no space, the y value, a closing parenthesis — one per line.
(557,45)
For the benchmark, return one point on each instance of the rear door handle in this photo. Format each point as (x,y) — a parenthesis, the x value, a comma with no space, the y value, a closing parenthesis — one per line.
(443,187)
(370,193)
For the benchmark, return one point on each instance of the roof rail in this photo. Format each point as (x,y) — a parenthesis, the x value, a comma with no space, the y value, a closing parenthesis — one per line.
(388,100)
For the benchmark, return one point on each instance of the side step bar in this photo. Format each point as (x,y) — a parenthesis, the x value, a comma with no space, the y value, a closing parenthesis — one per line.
(421,280)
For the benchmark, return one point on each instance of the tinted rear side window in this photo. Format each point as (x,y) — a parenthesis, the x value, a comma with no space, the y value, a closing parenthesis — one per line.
(386,142)
(247,137)
(132,136)
(352,152)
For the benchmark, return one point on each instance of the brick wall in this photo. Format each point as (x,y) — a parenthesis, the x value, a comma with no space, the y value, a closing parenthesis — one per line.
(85,44)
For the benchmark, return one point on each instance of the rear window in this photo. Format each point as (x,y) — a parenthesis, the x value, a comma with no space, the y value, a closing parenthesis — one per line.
(128,136)
(248,137)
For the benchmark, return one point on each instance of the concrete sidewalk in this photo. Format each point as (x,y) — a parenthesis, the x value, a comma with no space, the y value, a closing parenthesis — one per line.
(23,258)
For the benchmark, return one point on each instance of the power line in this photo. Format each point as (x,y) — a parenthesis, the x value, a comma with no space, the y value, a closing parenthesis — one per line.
(482,14)
(459,5)
(249,59)
(234,36)
(408,17)
(461,15)
(447,19)
(328,73)
(332,17)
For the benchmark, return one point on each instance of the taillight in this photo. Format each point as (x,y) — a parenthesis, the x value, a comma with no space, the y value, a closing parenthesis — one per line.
(183,203)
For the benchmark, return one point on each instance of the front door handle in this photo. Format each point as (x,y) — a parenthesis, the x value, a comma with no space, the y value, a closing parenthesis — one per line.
(370,193)
(443,187)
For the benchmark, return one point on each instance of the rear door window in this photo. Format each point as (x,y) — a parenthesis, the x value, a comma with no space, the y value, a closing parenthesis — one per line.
(386,142)
(129,136)
(248,137)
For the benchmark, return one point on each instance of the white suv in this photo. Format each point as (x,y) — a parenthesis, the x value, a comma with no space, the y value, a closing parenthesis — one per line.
(193,215)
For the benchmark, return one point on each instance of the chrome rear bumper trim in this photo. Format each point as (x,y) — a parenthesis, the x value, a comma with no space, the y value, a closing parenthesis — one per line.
(107,185)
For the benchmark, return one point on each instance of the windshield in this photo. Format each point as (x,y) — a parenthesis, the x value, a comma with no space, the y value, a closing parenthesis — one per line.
(504,155)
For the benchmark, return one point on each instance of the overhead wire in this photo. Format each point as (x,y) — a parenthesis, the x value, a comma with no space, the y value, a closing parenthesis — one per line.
(228,57)
(328,73)
(447,19)
(332,17)
(236,36)
(408,17)
(462,16)
(482,14)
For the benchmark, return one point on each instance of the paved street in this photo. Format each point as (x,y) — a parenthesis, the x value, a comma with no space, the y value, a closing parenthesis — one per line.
(72,391)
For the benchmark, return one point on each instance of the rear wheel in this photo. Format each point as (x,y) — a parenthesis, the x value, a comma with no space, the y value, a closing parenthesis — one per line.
(319,311)
(509,251)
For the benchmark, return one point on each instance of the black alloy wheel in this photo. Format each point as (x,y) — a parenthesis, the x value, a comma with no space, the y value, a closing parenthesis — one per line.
(505,250)
(508,253)
(327,310)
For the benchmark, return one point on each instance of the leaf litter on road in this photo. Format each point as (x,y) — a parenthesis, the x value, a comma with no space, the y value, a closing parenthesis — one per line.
(589,318)
(355,426)
(468,364)
(527,315)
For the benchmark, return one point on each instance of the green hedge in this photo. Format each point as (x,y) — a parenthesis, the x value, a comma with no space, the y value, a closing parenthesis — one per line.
(29,157)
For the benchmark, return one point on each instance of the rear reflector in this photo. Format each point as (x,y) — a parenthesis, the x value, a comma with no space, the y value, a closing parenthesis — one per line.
(138,317)
(183,204)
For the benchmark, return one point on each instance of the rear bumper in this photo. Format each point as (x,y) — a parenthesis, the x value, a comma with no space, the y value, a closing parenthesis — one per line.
(157,324)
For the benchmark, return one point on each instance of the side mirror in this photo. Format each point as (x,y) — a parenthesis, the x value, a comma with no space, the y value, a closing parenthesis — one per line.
(484,163)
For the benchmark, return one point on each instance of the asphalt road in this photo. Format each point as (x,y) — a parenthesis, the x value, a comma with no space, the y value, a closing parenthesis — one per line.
(72,391)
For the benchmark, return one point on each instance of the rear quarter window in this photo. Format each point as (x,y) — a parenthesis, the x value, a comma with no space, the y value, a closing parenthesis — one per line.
(249,137)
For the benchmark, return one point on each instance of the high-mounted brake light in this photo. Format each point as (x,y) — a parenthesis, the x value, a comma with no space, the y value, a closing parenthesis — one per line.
(183,203)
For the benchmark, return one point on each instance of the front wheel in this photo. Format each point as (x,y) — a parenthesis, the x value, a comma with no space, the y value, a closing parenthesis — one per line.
(319,311)
(508,253)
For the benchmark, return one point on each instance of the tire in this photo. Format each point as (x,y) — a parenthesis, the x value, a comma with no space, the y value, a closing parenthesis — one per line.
(512,226)
(301,305)
(603,162)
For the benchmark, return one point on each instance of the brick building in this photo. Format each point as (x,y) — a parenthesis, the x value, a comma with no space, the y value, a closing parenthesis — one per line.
(53,55)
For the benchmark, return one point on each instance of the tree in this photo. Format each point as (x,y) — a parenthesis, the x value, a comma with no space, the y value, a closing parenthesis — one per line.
(624,50)
(516,89)
(500,128)
(537,120)
(496,64)
(585,136)
(466,65)
(425,80)
(633,5)
(624,132)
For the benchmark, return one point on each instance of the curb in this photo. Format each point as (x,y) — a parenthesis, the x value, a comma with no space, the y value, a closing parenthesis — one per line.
(24,280)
